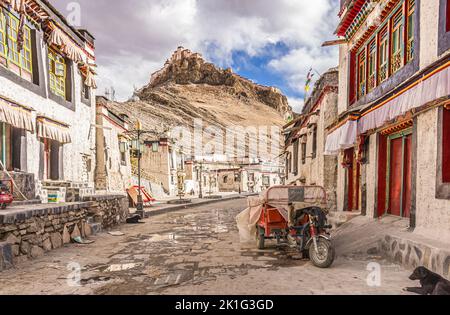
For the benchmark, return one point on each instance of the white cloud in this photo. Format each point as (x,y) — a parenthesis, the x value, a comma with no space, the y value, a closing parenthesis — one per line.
(296,104)
(136,36)
(296,65)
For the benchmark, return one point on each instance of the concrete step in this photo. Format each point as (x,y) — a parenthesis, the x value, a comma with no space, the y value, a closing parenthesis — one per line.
(336,219)
(26,202)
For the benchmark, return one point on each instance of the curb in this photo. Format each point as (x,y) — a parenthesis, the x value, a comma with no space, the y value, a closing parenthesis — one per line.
(169,209)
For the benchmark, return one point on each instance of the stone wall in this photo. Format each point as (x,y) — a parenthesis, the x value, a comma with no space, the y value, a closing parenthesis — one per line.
(108,210)
(412,254)
(28,235)
(37,229)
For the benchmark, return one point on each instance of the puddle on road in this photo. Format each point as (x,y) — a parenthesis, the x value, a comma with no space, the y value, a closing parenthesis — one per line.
(121,267)
(185,253)
(161,238)
(221,228)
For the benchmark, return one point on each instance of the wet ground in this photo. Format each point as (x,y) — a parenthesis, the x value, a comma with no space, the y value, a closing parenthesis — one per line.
(195,251)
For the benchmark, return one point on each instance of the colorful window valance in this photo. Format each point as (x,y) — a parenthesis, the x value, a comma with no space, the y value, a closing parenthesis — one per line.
(430,88)
(88,73)
(58,38)
(16,115)
(342,138)
(16,5)
(52,129)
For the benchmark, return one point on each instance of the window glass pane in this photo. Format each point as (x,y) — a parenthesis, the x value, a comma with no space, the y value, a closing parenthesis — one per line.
(57,73)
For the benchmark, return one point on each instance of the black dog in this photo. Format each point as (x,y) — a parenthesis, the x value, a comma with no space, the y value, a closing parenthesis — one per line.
(432,283)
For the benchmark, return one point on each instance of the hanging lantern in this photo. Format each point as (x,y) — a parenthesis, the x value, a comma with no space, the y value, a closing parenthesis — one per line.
(135,144)
(141,147)
(123,147)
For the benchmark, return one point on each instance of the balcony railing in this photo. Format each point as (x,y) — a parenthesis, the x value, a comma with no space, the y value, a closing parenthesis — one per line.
(362,89)
(410,50)
(383,72)
(396,62)
(372,82)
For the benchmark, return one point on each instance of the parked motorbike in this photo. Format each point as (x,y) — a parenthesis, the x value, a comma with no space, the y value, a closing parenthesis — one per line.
(311,236)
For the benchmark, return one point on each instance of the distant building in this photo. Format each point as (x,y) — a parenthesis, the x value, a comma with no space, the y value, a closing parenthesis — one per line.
(306,163)
(113,163)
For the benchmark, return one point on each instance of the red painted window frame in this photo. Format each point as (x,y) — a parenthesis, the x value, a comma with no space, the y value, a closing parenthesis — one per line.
(352,79)
(447,16)
(446,146)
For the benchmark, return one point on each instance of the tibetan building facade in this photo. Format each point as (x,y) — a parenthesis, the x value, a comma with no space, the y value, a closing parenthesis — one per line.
(113,154)
(47,103)
(306,163)
(394,112)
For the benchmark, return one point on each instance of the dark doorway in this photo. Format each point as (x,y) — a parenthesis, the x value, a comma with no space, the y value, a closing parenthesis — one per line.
(52,159)
(399,179)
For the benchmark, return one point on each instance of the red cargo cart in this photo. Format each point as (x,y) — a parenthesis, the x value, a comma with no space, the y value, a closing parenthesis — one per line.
(297,215)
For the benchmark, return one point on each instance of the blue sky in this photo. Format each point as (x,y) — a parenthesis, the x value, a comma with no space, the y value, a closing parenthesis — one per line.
(273,43)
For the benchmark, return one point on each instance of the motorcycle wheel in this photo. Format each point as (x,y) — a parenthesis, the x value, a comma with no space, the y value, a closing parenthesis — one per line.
(260,239)
(324,258)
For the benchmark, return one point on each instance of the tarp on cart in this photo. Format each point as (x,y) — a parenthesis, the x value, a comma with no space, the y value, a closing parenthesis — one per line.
(280,197)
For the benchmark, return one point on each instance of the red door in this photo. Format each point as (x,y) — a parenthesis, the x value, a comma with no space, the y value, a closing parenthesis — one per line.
(353,174)
(407,177)
(400,179)
(395,187)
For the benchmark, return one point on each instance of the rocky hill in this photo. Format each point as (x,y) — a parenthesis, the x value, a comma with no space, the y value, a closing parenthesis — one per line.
(187,88)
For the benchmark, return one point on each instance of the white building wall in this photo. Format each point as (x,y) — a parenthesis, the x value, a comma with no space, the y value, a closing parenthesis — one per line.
(343,78)
(118,175)
(81,121)
(433,215)
(371,178)
(429,22)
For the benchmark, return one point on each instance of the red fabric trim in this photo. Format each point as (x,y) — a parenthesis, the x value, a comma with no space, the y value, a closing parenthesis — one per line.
(446,146)
(348,19)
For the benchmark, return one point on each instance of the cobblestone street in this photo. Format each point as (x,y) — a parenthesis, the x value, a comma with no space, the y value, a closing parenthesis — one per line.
(194,251)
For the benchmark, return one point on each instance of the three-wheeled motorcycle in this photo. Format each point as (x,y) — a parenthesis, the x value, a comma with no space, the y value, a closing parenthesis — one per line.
(297,215)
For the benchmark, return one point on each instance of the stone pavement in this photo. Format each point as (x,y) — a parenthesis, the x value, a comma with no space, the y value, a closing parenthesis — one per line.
(197,251)
(164,206)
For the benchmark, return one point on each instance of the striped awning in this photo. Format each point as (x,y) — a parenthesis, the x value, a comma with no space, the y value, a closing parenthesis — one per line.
(58,38)
(88,74)
(54,130)
(17,5)
(342,138)
(431,87)
(16,115)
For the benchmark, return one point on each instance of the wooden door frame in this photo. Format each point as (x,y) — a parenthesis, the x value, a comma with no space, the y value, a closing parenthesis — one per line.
(401,134)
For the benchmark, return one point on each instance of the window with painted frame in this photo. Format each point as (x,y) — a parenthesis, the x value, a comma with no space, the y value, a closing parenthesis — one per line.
(383,59)
(362,73)
(304,153)
(447,16)
(314,142)
(372,66)
(20,62)
(411,27)
(57,73)
(446,145)
(397,45)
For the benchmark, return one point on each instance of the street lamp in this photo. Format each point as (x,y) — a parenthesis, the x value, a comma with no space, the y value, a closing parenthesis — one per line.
(200,180)
(138,146)
(140,203)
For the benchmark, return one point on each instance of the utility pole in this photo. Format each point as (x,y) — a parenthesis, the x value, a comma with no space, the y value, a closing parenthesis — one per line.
(200,195)
(140,204)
